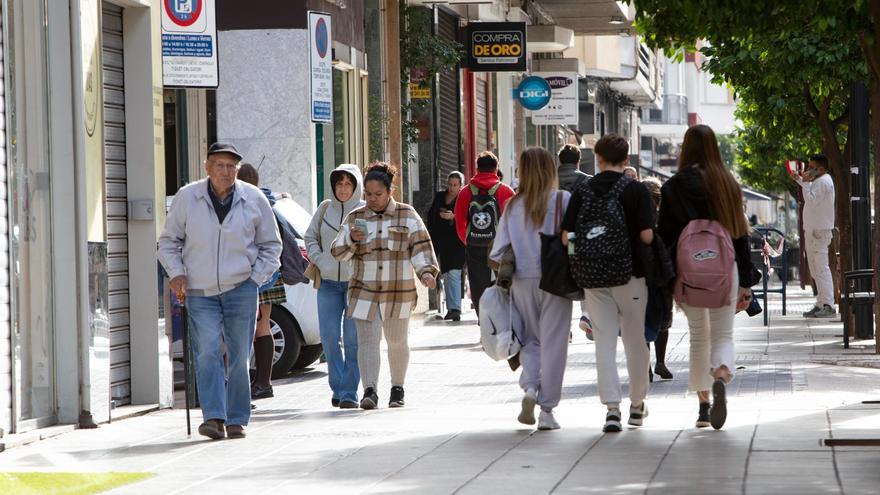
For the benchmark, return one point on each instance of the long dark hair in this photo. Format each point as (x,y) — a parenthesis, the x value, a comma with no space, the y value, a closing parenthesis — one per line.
(700,150)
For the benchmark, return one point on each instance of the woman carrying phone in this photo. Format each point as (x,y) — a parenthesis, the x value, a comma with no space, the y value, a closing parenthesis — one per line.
(450,250)
(703,188)
(389,248)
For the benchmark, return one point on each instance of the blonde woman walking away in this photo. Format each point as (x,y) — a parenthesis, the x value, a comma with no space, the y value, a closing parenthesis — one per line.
(538,207)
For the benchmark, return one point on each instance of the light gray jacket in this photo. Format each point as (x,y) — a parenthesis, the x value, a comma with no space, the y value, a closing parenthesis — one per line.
(217,258)
(324,228)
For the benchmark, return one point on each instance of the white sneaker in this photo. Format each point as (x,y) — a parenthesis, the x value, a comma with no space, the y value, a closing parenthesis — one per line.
(546,421)
(527,413)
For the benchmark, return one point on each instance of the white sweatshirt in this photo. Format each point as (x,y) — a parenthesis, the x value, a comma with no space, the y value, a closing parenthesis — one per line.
(818,203)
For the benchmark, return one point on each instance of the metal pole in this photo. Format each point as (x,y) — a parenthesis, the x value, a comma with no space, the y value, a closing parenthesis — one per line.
(861,210)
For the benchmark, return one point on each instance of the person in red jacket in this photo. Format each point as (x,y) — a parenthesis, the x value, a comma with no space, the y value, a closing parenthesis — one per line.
(477,211)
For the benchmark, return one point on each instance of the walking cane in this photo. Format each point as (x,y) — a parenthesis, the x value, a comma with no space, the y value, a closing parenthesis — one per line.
(186,357)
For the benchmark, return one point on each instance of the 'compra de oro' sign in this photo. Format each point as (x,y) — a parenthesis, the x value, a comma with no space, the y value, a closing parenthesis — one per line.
(496,46)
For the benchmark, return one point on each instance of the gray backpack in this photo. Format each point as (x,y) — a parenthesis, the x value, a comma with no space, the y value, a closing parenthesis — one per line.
(293,264)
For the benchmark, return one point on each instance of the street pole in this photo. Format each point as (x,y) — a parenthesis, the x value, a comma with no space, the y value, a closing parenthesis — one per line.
(861,209)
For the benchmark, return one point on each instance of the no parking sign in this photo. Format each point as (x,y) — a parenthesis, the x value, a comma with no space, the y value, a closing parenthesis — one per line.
(321,67)
(189,43)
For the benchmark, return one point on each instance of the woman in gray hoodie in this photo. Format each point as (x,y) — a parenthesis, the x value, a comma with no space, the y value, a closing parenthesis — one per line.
(346,187)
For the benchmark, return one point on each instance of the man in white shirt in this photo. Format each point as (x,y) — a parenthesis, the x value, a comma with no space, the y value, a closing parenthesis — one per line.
(818,189)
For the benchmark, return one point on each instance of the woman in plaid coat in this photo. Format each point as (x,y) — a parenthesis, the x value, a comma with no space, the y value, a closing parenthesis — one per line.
(389,247)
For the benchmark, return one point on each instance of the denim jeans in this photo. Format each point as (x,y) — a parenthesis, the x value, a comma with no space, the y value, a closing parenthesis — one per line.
(231,315)
(342,369)
(452,287)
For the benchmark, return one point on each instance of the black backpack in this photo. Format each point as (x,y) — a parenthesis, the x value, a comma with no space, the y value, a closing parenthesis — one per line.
(483,214)
(602,249)
(293,265)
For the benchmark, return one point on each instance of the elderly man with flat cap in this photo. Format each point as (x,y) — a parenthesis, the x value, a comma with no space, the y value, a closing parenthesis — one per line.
(220,244)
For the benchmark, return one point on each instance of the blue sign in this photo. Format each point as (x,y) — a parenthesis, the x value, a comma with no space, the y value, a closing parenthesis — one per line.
(183,12)
(187,45)
(533,93)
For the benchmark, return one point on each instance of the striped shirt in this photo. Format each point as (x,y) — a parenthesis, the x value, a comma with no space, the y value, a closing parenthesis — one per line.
(386,264)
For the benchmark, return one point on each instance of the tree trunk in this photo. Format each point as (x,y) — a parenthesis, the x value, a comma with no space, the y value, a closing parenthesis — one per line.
(871,52)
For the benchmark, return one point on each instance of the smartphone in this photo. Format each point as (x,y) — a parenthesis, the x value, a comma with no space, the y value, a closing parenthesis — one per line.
(361,224)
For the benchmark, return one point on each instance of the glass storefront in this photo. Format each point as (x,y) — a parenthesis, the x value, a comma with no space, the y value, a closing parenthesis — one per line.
(30,214)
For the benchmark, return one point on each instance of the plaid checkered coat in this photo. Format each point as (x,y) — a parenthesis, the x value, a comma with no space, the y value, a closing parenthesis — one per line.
(386,265)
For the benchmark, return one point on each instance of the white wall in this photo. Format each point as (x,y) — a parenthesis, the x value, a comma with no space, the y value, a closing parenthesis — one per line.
(263,106)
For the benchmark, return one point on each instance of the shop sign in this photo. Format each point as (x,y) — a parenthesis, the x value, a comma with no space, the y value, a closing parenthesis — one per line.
(533,93)
(417,92)
(321,67)
(562,109)
(417,88)
(189,44)
(496,46)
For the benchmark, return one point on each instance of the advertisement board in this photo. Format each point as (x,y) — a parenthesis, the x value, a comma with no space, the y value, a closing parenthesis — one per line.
(189,44)
(496,46)
(321,67)
(562,109)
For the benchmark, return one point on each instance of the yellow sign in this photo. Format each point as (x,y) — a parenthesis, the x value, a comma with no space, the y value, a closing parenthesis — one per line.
(416,92)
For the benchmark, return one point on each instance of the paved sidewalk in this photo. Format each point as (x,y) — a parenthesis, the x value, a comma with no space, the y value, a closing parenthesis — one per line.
(458,432)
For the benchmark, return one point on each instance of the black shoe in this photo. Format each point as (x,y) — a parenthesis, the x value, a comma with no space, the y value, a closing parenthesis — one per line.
(213,429)
(453,314)
(703,415)
(662,371)
(348,404)
(258,392)
(650,375)
(396,397)
(334,402)
(718,413)
(370,399)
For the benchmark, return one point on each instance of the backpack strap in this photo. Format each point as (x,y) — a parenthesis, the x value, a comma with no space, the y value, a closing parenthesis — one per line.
(620,185)
(491,191)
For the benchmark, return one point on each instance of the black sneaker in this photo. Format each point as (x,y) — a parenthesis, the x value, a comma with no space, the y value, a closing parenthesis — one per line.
(703,416)
(370,400)
(612,421)
(662,371)
(453,314)
(718,413)
(258,392)
(637,416)
(396,397)
(334,402)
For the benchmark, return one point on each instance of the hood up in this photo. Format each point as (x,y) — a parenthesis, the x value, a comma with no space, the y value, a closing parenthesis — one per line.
(356,198)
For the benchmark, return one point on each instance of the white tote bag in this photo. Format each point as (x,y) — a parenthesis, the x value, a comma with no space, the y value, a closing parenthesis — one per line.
(499,324)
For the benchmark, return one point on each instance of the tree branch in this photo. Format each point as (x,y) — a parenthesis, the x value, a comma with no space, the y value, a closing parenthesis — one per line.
(811,105)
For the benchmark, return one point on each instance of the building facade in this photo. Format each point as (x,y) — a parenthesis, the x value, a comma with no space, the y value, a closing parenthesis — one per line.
(82,87)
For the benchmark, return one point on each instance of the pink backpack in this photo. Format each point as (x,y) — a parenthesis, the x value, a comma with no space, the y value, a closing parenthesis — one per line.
(704,261)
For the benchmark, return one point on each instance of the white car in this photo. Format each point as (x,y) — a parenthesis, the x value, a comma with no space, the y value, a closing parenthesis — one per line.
(294,323)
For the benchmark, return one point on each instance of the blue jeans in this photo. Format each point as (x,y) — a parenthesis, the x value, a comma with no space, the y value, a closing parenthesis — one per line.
(452,287)
(342,370)
(231,315)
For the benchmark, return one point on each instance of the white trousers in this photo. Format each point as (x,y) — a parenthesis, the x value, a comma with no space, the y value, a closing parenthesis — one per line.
(711,333)
(620,308)
(817,242)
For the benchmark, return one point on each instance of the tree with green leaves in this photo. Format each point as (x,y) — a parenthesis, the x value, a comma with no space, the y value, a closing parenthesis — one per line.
(791,64)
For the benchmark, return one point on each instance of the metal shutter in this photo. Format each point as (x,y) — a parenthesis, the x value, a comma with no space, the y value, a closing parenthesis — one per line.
(449,105)
(117,203)
(5,333)
(482,111)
